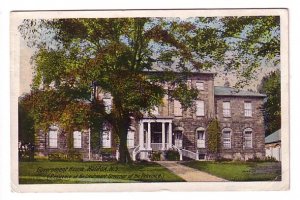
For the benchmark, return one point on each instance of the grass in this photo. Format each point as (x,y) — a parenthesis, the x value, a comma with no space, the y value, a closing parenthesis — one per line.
(48,172)
(240,171)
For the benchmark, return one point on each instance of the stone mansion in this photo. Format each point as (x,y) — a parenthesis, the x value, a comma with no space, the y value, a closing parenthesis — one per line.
(238,112)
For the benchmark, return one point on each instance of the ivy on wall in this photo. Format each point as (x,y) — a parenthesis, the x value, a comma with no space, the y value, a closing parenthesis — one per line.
(214,136)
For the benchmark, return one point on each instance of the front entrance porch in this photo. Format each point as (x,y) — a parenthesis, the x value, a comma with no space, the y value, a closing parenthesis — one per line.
(157,135)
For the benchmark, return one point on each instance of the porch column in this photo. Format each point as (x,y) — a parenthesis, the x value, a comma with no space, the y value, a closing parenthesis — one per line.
(170,135)
(141,135)
(149,136)
(163,132)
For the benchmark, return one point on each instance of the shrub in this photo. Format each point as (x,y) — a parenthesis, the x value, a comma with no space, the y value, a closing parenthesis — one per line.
(270,159)
(172,155)
(155,156)
(222,159)
(74,156)
(69,156)
(107,154)
(57,156)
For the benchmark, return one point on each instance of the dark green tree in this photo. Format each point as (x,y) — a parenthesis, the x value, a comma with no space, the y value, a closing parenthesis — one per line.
(214,138)
(270,85)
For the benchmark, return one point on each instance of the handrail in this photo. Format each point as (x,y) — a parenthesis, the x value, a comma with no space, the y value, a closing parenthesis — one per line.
(135,152)
(190,154)
(179,151)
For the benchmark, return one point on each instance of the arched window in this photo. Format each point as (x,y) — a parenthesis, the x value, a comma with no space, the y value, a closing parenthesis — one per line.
(247,138)
(226,138)
(200,134)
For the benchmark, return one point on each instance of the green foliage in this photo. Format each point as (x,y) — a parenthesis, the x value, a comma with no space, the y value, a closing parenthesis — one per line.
(156,156)
(214,136)
(172,155)
(270,85)
(25,122)
(69,156)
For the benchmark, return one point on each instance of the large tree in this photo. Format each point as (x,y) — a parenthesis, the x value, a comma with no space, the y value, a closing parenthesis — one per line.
(75,55)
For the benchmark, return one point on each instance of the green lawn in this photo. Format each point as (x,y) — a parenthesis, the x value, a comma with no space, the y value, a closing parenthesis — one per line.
(240,171)
(46,172)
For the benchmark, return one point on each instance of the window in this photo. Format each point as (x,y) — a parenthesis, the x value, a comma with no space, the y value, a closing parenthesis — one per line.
(248,138)
(177,108)
(200,85)
(106,141)
(248,109)
(130,139)
(226,136)
(77,139)
(226,109)
(200,137)
(106,136)
(53,138)
(200,108)
(107,104)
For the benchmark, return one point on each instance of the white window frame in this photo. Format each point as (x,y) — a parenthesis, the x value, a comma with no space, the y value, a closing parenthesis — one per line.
(226,141)
(53,139)
(200,85)
(248,108)
(226,109)
(200,141)
(178,135)
(107,104)
(200,108)
(130,138)
(248,140)
(177,108)
(77,139)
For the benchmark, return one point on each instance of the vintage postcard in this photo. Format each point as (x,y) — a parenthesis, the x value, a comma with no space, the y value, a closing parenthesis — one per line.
(149,100)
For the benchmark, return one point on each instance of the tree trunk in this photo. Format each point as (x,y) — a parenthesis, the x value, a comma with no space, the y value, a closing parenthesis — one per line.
(123,150)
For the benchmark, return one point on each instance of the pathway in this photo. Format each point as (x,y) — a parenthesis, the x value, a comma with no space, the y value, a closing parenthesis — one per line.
(189,174)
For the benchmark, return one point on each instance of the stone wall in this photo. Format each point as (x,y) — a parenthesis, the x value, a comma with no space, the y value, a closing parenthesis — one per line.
(238,122)
(43,149)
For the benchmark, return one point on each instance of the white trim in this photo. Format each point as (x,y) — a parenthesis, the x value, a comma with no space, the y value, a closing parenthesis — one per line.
(77,140)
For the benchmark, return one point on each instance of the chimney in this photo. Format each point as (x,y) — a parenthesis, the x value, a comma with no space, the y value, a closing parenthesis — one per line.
(226,84)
